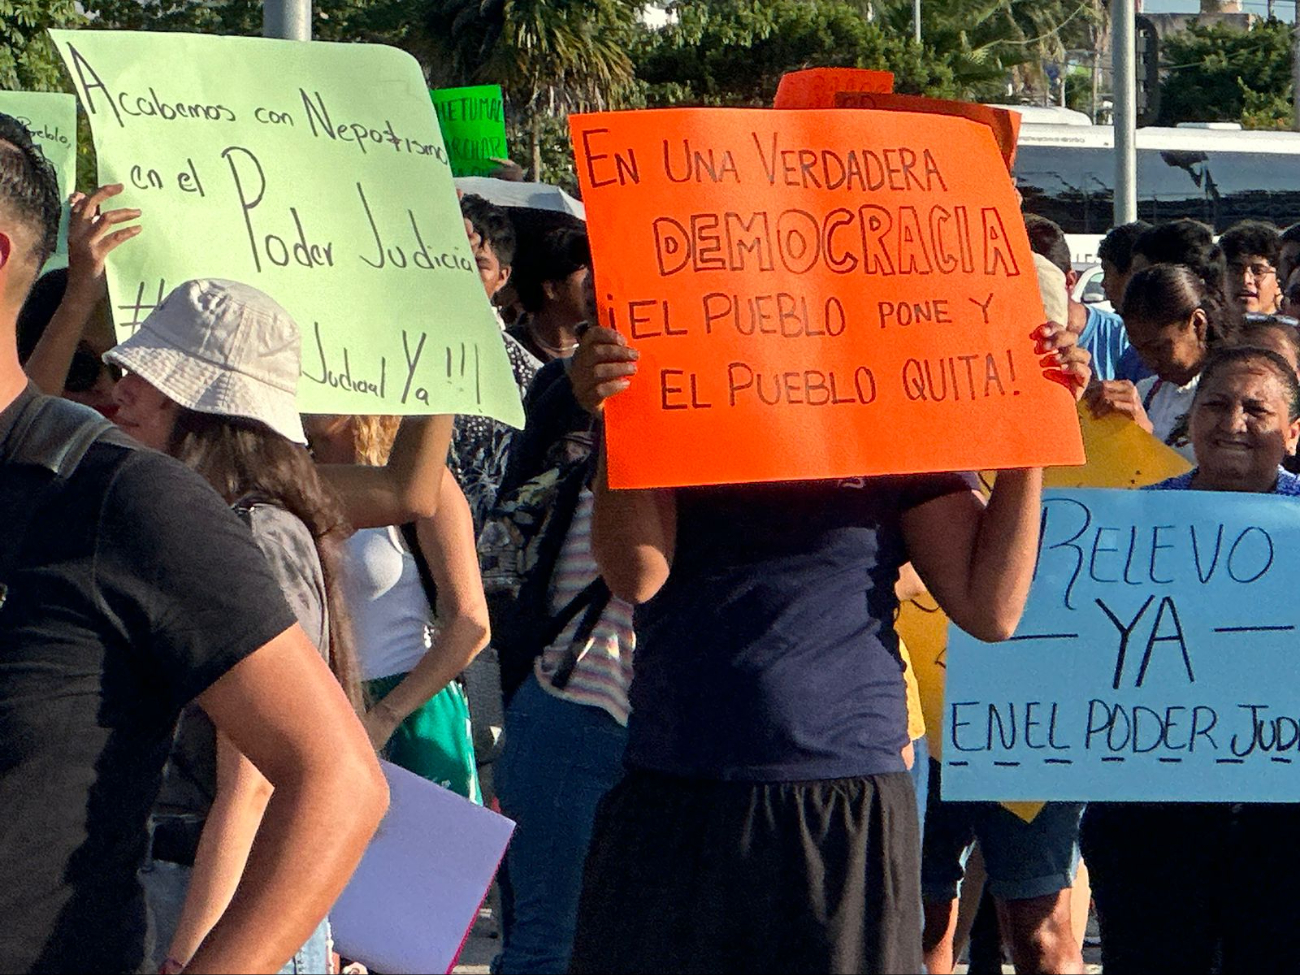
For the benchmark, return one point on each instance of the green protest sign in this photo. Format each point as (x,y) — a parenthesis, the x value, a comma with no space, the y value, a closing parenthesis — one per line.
(315,172)
(52,119)
(473,122)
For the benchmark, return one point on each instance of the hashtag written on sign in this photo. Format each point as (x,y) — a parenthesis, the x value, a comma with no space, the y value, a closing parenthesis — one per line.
(139,310)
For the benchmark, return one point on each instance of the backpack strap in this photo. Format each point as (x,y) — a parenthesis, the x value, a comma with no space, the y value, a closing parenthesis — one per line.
(55,434)
(412,538)
(51,436)
(593,599)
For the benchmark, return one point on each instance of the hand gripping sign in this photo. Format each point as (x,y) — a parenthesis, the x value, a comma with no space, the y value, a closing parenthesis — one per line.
(815,294)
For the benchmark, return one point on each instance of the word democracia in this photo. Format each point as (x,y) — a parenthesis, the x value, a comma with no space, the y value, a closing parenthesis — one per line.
(870,239)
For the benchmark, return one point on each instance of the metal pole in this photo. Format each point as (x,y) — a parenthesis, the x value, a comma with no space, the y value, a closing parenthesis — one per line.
(1124,87)
(916,19)
(290,19)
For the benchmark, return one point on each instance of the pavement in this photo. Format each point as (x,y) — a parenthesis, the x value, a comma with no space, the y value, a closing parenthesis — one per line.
(483,944)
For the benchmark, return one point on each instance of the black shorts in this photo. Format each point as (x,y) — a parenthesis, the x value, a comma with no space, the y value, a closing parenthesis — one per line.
(700,876)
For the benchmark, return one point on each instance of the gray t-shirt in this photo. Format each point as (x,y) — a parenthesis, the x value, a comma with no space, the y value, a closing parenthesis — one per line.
(190,781)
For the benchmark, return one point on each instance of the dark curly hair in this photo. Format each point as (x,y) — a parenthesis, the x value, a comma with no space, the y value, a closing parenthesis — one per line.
(553,258)
(243,458)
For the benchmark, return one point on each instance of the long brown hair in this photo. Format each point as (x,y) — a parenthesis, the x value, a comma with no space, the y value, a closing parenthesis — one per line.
(242,457)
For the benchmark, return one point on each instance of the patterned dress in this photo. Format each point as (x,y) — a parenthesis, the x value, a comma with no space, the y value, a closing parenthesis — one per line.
(480,445)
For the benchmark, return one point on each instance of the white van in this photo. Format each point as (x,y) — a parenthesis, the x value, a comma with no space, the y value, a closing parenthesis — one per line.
(1211,172)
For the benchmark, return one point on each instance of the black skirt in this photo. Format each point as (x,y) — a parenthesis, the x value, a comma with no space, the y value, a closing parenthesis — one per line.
(700,876)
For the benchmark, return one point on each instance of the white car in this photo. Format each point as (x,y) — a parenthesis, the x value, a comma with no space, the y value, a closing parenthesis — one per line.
(1088,290)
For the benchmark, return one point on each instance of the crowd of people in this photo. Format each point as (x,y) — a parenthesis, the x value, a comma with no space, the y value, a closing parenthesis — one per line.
(215,613)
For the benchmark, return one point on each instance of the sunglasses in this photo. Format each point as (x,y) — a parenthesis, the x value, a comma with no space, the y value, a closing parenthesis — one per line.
(85,370)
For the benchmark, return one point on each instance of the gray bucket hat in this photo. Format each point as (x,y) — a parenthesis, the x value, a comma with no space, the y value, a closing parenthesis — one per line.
(221,347)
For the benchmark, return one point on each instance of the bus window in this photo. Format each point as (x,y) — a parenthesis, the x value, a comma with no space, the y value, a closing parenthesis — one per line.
(1068,184)
(1072,185)
(1251,186)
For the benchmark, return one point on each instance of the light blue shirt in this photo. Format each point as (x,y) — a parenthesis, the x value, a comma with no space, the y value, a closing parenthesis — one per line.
(1112,356)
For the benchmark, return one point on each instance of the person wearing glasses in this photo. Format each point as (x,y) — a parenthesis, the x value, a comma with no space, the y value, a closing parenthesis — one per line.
(63,327)
(1252,249)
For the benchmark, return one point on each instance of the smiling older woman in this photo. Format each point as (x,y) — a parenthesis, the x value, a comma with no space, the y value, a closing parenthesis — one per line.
(1244,422)
(1177,884)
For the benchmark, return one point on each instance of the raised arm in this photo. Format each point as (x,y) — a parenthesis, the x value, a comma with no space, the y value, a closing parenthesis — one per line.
(633,533)
(407,487)
(447,541)
(977,560)
(329,797)
(91,238)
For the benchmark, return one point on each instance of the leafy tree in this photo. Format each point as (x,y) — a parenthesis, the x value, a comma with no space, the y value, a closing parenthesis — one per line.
(550,56)
(381,21)
(28,61)
(733,52)
(1218,74)
(996,45)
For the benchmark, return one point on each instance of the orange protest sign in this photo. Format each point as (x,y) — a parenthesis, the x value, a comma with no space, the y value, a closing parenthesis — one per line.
(817,87)
(814,295)
(1004,124)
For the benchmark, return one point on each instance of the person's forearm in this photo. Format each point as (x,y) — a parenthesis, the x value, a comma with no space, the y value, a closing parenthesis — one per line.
(633,536)
(458,643)
(50,360)
(315,829)
(222,854)
(1006,548)
(404,489)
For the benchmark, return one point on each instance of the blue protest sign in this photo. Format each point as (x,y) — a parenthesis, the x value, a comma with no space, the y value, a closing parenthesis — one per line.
(1158,658)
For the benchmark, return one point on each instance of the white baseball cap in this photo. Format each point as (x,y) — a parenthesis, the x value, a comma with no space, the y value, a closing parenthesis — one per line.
(221,347)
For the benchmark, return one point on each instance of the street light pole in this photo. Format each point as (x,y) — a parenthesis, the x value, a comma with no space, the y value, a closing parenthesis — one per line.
(1122,35)
(916,19)
(290,19)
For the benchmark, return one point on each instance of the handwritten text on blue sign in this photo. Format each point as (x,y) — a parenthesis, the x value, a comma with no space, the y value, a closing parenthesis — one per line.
(1158,658)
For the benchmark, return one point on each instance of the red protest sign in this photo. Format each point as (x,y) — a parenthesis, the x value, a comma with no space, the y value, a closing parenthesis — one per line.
(817,87)
(1004,124)
(815,294)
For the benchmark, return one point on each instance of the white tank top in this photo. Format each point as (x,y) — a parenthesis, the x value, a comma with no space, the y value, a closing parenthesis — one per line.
(391,618)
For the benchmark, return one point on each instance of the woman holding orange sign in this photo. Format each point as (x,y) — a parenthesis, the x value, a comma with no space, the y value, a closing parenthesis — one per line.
(767,821)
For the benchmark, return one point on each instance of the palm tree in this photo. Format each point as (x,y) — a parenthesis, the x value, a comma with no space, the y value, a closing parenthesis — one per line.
(549,55)
(988,42)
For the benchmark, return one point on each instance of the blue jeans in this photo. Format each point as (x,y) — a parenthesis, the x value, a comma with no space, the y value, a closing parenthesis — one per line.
(920,773)
(165,885)
(559,760)
(1022,860)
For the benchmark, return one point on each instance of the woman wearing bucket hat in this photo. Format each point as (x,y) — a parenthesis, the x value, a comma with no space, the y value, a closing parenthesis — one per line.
(211,379)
